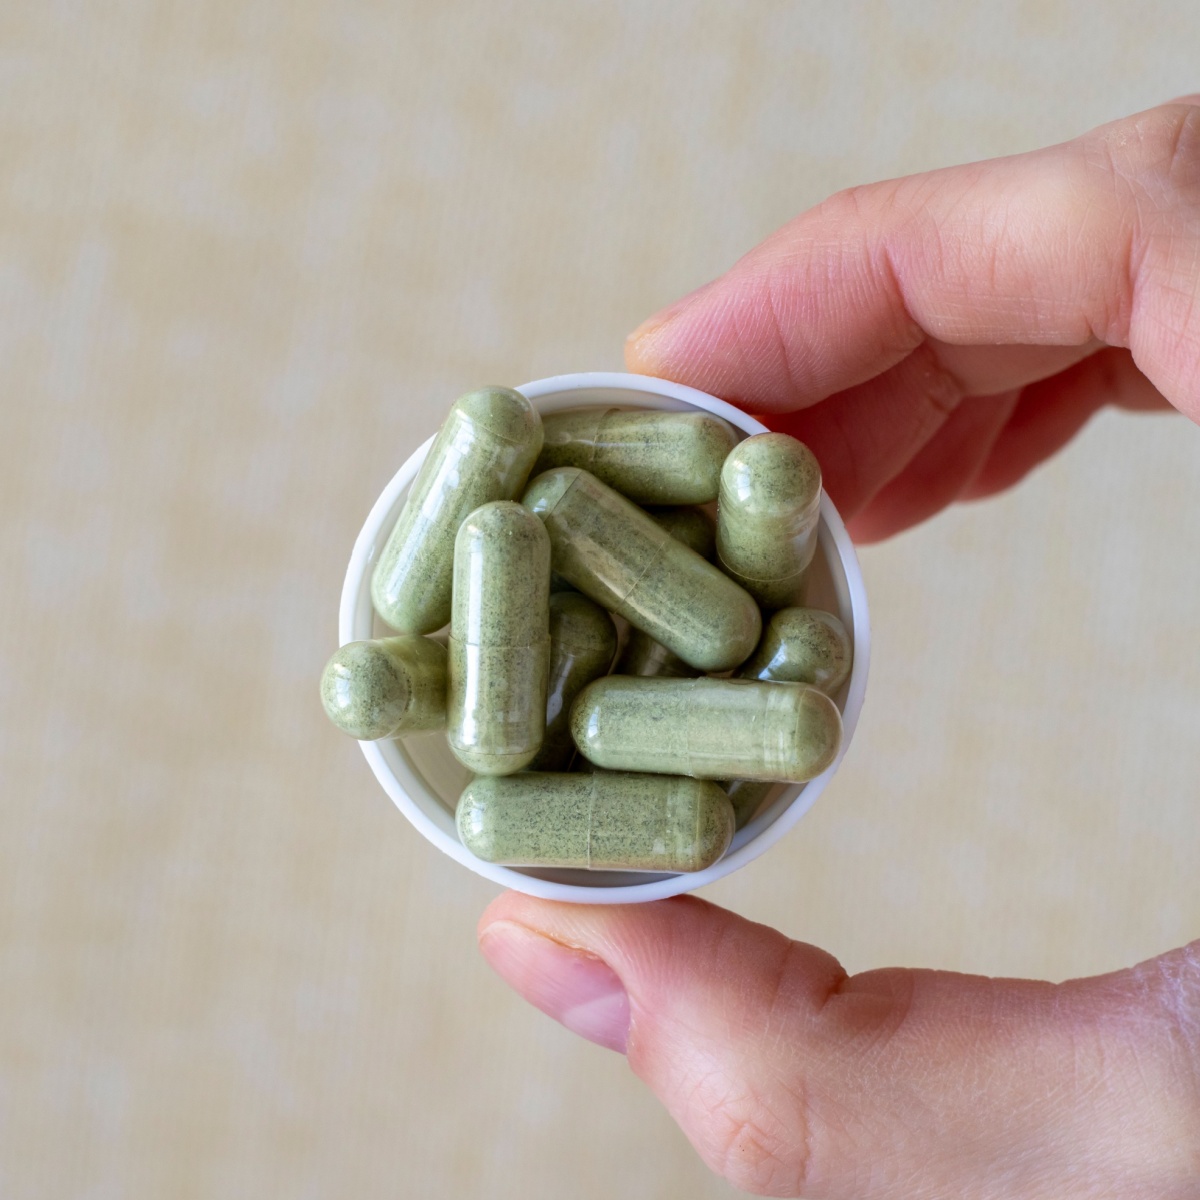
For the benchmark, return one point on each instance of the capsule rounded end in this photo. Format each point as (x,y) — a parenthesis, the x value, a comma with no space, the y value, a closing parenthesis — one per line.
(585,720)
(741,629)
(582,624)
(504,413)
(503,522)
(483,762)
(546,490)
(364,692)
(715,823)
(818,731)
(771,475)
(471,819)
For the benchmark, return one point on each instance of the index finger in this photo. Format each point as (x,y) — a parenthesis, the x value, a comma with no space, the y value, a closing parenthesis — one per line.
(1094,240)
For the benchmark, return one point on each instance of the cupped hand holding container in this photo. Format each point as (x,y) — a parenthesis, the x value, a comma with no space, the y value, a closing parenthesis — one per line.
(425,779)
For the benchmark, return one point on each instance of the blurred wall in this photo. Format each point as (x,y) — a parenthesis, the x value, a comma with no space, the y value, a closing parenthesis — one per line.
(249,251)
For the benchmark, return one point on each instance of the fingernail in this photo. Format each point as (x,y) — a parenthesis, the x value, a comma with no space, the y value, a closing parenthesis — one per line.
(577,989)
(666,315)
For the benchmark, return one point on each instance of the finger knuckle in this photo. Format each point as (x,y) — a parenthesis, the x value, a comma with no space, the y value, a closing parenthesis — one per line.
(757,1147)
(1157,154)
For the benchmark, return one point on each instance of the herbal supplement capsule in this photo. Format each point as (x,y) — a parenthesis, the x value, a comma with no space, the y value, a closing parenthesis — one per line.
(767,517)
(652,457)
(583,641)
(382,688)
(614,553)
(483,451)
(691,526)
(747,797)
(642,655)
(599,821)
(802,645)
(499,639)
(707,728)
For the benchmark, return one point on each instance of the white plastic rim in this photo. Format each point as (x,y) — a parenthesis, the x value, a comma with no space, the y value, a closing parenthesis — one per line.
(404,777)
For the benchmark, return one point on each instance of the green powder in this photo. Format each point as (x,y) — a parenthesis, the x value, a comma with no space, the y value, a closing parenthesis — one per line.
(600,821)
(614,553)
(583,641)
(483,451)
(382,688)
(802,645)
(707,728)
(767,517)
(499,649)
(650,456)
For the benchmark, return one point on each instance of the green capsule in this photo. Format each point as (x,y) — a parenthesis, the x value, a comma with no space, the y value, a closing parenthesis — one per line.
(707,728)
(499,639)
(598,821)
(642,655)
(652,457)
(386,687)
(483,451)
(691,526)
(767,517)
(614,553)
(747,797)
(583,641)
(802,645)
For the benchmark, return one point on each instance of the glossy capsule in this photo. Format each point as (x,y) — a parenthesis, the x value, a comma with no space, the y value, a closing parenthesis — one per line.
(386,687)
(598,821)
(583,641)
(483,451)
(499,651)
(615,554)
(767,517)
(707,728)
(642,655)
(802,645)
(652,457)
(748,797)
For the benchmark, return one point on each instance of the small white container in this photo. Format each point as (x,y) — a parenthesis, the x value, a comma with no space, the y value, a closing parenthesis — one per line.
(424,779)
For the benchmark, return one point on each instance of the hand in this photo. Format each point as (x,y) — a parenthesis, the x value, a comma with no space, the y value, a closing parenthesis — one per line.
(931,338)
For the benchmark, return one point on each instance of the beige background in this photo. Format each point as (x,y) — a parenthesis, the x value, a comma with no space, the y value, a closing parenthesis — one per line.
(249,251)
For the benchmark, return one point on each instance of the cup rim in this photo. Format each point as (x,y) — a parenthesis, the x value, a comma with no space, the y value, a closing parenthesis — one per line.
(355,616)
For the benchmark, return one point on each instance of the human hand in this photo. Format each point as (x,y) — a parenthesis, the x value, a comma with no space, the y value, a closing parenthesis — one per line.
(931,338)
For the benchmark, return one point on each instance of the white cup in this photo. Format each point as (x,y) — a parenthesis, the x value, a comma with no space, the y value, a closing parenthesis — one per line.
(424,779)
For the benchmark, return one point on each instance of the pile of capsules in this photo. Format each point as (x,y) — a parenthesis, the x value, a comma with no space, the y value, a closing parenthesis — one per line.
(528,535)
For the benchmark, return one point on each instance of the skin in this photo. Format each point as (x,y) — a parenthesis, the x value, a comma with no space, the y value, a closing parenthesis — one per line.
(931,339)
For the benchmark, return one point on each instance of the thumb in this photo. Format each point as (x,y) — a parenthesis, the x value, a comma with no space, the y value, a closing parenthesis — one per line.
(791,1078)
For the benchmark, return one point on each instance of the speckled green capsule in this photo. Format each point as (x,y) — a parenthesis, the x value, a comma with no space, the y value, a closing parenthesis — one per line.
(642,655)
(499,649)
(652,457)
(767,517)
(583,641)
(691,526)
(707,728)
(386,687)
(615,554)
(802,645)
(483,451)
(598,821)
(747,797)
